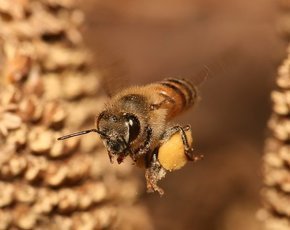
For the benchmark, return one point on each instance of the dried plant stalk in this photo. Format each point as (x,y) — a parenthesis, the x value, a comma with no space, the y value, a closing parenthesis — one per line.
(47,87)
(276,163)
(276,191)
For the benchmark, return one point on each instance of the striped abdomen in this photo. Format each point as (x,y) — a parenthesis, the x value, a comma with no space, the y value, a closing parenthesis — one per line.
(179,95)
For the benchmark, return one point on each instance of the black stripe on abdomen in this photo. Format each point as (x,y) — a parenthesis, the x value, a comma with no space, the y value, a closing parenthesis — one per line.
(190,90)
(176,89)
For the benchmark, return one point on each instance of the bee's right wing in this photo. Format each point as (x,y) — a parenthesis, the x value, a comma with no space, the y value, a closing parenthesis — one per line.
(218,65)
(114,78)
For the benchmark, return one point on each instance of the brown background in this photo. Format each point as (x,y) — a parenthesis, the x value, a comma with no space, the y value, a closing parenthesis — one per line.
(144,41)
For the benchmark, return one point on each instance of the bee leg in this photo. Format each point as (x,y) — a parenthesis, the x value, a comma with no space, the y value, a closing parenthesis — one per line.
(157,106)
(160,104)
(145,148)
(153,173)
(110,157)
(187,149)
(134,157)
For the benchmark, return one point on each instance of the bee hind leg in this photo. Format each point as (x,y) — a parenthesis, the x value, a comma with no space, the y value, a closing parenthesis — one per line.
(153,173)
(188,150)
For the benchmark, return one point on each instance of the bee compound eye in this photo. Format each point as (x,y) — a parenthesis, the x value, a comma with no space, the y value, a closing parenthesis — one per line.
(133,125)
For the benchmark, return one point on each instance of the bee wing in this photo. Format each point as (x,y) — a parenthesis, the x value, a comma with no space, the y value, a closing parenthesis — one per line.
(216,66)
(114,78)
(207,71)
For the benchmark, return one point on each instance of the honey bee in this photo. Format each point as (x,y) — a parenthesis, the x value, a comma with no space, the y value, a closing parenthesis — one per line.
(136,123)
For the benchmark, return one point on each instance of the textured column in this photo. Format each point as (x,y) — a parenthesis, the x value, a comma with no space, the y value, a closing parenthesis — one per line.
(276,164)
(276,191)
(47,88)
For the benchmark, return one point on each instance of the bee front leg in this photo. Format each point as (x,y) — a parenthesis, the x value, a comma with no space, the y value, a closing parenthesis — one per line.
(188,150)
(110,157)
(145,148)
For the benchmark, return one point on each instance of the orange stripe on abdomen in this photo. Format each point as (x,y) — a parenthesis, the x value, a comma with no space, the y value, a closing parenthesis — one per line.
(179,95)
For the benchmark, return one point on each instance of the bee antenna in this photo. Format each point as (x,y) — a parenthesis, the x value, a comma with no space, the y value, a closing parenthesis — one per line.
(81,133)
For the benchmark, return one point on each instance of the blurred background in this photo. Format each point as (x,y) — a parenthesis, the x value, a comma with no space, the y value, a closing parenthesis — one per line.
(144,41)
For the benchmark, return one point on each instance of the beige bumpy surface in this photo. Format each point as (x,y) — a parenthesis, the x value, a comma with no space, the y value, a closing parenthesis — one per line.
(47,89)
(276,189)
(276,164)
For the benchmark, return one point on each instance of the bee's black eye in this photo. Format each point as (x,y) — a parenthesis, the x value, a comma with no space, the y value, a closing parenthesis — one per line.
(134,126)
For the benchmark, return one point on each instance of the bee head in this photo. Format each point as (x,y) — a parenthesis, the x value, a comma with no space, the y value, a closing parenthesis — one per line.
(118,132)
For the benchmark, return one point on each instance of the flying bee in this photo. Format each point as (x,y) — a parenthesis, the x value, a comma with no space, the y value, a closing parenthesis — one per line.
(136,123)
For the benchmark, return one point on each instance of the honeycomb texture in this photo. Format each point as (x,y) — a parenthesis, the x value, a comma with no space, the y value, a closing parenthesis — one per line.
(276,162)
(47,88)
(276,191)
